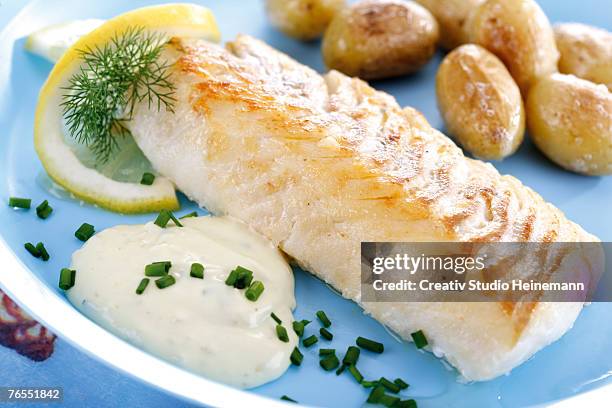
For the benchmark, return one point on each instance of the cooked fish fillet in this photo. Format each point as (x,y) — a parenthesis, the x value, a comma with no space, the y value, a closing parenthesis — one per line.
(320,163)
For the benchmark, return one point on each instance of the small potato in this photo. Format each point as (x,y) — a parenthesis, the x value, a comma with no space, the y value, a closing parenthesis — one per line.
(302,19)
(480,103)
(570,120)
(452,15)
(380,38)
(586,52)
(519,33)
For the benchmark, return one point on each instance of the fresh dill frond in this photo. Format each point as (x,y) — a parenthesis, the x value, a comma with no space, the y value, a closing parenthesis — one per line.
(101,97)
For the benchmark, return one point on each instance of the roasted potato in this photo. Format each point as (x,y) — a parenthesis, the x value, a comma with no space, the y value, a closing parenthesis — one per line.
(380,38)
(519,33)
(586,52)
(570,120)
(302,19)
(452,15)
(480,103)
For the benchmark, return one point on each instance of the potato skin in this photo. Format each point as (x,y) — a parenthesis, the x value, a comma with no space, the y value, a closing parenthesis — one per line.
(375,39)
(302,19)
(586,52)
(480,103)
(519,33)
(570,121)
(452,16)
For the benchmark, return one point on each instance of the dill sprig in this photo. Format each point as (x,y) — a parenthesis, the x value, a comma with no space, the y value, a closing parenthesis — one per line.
(102,96)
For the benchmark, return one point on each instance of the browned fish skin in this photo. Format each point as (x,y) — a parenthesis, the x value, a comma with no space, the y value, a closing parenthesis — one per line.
(320,163)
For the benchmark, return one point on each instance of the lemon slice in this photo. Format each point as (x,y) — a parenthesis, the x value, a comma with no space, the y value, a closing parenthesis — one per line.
(60,157)
(53,41)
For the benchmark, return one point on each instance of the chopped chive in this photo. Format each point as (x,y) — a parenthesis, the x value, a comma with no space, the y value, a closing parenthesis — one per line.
(85,232)
(189,215)
(244,277)
(197,270)
(44,210)
(158,268)
(67,278)
(323,318)
(370,345)
(309,341)
(369,384)
(401,383)
(419,338)
(174,219)
(355,373)
(330,362)
(351,356)
(296,357)
(44,255)
(147,179)
(376,394)
(388,400)
(281,333)
(326,334)
(298,328)
(326,351)
(391,386)
(142,286)
(32,249)
(286,398)
(341,369)
(165,281)
(254,291)
(276,318)
(410,403)
(17,202)
(162,218)
(231,278)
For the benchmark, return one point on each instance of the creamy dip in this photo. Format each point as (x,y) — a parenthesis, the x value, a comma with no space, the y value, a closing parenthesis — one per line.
(202,325)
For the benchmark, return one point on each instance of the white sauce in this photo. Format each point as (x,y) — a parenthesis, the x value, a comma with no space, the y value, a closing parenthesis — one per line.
(202,325)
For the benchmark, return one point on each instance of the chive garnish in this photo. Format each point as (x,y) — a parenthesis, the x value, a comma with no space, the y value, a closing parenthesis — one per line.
(326,351)
(231,278)
(376,394)
(355,373)
(341,369)
(32,249)
(164,217)
(309,341)
(44,210)
(401,383)
(369,384)
(323,318)
(391,386)
(298,328)
(147,179)
(244,278)
(17,202)
(410,403)
(165,281)
(158,268)
(142,286)
(281,333)
(326,334)
(276,318)
(44,255)
(388,400)
(254,291)
(189,215)
(296,357)
(67,278)
(197,270)
(419,338)
(85,232)
(330,362)
(286,398)
(370,345)
(351,356)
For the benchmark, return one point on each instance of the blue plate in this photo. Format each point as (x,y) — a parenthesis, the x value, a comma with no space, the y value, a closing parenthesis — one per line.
(580,361)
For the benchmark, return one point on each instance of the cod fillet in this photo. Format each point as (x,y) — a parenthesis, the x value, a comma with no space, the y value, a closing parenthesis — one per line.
(318,164)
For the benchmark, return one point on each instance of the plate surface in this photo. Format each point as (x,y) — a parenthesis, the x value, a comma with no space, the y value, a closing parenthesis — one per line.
(580,361)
